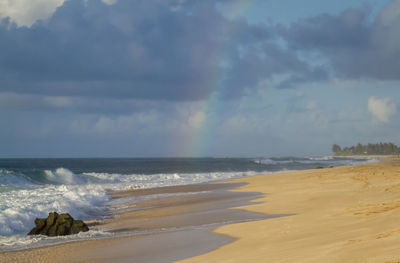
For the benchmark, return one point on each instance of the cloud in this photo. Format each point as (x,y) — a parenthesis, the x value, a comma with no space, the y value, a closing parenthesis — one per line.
(27,12)
(381,109)
(144,50)
(354,43)
(109,2)
(10,102)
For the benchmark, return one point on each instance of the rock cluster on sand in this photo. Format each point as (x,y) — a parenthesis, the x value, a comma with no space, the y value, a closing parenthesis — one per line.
(58,225)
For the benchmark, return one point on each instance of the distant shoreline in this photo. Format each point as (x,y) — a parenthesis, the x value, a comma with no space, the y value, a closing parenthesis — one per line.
(379,157)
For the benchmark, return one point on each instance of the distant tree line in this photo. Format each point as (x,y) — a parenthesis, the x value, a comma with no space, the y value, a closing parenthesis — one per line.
(369,149)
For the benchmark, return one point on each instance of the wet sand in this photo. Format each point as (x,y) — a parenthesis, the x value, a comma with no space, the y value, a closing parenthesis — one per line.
(162,225)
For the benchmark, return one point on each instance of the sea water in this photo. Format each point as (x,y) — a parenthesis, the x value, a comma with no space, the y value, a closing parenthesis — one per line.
(31,188)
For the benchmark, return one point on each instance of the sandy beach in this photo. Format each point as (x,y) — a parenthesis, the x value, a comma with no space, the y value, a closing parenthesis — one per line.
(164,225)
(343,214)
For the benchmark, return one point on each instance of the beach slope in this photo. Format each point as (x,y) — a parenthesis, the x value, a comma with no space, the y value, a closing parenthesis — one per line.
(344,214)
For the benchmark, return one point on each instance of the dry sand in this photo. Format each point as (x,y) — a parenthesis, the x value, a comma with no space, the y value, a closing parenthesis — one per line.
(344,214)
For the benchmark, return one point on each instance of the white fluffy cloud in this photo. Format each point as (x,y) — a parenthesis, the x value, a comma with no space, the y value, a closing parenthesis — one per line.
(26,12)
(381,109)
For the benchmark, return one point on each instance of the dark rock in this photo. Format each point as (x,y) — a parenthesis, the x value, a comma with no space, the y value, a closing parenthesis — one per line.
(79,226)
(63,230)
(40,224)
(50,220)
(58,225)
(51,232)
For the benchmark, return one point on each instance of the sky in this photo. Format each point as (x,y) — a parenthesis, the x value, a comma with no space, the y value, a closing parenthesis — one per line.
(195,78)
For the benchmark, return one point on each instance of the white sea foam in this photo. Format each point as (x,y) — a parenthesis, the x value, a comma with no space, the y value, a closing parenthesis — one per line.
(324,158)
(63,176)
(19,208)
(17,242)
(124,182)
(84,196)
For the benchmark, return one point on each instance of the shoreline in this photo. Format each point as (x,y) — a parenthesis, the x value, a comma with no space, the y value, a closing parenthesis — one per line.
(127,221)
(133,192)
(183,211)
(379,157)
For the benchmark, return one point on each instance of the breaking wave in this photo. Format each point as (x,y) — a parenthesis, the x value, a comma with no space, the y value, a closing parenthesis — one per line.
(27,196)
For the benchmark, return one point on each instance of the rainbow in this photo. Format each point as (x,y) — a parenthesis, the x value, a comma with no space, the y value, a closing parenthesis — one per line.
(199,139)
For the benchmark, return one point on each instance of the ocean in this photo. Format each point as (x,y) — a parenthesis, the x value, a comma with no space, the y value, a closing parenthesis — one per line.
(31,188)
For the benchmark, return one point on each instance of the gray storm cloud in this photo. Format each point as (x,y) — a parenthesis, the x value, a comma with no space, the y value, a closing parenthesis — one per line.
(354,43)
(161,50)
